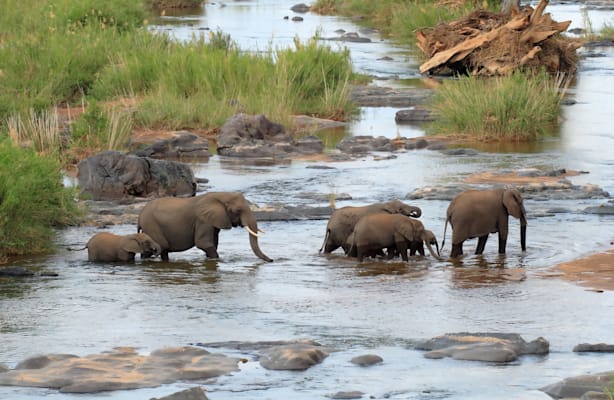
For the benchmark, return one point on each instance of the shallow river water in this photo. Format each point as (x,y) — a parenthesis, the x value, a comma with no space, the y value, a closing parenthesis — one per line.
(358,308)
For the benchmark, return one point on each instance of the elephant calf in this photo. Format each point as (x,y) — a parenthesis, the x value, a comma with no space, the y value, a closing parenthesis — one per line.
(394,232)
(108,247)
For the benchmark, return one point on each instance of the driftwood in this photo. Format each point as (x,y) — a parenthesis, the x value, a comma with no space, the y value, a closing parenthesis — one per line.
(485,43)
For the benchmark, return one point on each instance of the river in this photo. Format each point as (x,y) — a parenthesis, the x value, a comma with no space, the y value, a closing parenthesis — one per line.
(358,308)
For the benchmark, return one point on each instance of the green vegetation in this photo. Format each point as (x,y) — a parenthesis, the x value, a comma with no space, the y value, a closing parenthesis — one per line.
(518,107)
(607,31)
(400,19)
(77,54)
(32,201)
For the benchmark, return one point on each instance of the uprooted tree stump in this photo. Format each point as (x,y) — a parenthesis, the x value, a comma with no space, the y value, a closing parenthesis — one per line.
(487,43)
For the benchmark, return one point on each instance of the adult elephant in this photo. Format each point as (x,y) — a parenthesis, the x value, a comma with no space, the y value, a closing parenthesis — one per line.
(343,220)
(109,247)
(179,224)
(477,213)
(393,232)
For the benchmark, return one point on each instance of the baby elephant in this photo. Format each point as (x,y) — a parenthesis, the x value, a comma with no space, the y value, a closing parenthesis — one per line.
(393,232)
(105,246)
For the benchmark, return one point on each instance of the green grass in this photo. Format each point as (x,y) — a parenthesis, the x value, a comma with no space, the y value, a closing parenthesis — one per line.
(32,201)
(73,52)
(400,19)
(518,107)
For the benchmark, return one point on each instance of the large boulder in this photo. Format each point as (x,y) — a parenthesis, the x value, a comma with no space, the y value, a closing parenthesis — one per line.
(246,135)
(112,175)
(579,386)
(121,368)
(491,347)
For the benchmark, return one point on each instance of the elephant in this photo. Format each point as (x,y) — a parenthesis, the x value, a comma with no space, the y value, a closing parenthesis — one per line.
(394,232)
(109,247)
(477,213)
(342,221)
(179,224)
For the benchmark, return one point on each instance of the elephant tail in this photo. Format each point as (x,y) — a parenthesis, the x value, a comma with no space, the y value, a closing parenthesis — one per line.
(443,239)
(75,249)
(325,240)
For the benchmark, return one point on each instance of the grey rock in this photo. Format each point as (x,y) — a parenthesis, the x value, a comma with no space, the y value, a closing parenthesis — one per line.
(300,8)
(597,347)
(365,144)
(354,394)
(416,144)
(414,114)
(112,175)
(185,145)
(16,272)
(378,96)
(367,360)
(460,152)
(195,393)
(490,347)
(575,387)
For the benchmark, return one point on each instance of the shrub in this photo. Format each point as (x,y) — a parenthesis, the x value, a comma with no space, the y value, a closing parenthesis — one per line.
(32,201)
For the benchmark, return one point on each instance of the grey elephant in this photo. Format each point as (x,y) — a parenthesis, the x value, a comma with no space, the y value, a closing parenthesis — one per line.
(179,224)
(342,221)
(394,232)
(109,247)
(477,213)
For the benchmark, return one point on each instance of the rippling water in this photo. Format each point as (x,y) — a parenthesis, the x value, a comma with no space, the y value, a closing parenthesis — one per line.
(372,307)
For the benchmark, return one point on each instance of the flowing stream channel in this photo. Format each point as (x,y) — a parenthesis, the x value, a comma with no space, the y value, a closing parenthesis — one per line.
(370,307)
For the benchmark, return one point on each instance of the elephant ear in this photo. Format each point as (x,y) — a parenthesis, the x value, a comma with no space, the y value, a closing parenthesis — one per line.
(215,214)
(131,245)
(407,228)
(512,200)
(391,207)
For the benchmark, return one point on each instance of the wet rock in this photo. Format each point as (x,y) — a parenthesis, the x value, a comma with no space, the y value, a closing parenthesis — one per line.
(414,114)
(378,96)
(350,37)
(293,357)
(365,144)
(460,152)
(490,347)
(122,368)
(603,209)
(184,145)
(297,19)
(416,144)
(300,8)
(597,348)
(444,192)
(255,136)
(279,212)
(366,360)
(15,272)
(112,175)
(195,393)
(355,394)
(577,387)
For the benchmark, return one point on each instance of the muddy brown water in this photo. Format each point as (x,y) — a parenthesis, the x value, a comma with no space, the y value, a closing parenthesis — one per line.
(372,307)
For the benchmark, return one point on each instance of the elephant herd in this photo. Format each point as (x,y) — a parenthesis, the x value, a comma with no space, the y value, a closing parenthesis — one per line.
(172,224)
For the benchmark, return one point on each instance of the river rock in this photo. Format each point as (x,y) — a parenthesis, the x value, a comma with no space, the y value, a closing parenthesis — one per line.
(121,368)
(603,209)
(195,393)
(413,114)
(354,394)
(15,272)
(183,145)
(366,360)
(597,348)
(112,175)
(246,135)
(577,387)
(491,347)
(293,357)
(300,8)
(379,96)
(365,144)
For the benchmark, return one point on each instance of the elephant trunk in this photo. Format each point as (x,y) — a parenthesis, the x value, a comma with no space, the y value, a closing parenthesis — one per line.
(249,222)
(523,237)
(436,255)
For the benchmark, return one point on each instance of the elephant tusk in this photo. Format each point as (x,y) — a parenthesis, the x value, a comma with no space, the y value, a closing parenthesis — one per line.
(251,232)
(261,231)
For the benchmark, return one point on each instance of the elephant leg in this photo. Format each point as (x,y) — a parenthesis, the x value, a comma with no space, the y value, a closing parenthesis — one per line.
(390,253)
(502,243)
(164,255)
(457,250)
(359,254)
(402,248)
(206,238)
(481,244)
